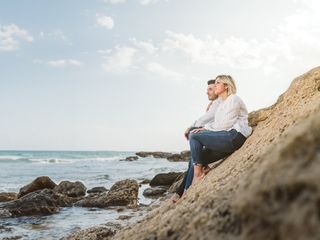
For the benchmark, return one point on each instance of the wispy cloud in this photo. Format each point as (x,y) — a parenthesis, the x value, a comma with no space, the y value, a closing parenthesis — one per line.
(11,37)
(142,2)
(119,59)
(57,34)
(104,21)
(59,63)
(162,71)
(144,45)
(115,1)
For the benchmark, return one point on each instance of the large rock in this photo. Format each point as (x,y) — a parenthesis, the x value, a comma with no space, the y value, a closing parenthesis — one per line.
(71,189)
(130,159)
(7,196)
(101,232)
(183,156)
(154,191)
(97,190)
(122,193)
(37,184)
(154,154)
(268,189)
(164,179)
(40,202)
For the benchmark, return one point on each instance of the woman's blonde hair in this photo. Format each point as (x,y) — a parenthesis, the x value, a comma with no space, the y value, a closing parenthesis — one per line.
(228,80)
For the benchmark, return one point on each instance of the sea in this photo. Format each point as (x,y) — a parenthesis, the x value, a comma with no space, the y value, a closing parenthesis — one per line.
(93,168)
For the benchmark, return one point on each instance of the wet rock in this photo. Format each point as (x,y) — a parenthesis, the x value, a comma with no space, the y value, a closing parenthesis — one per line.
(37,184)
(40,202)
(145,181)
(154,192)
(7,196)
(174,186)
(164,179)
(100,232)
(130,159)
(97,190)
(154,154)
(122,193)
(124,217)
(183,156)
(71,189)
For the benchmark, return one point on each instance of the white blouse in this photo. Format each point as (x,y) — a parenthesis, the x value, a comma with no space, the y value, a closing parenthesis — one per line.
(208,116)
(231,113)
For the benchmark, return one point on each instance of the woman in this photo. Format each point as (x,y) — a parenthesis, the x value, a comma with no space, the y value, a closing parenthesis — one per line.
(227,133)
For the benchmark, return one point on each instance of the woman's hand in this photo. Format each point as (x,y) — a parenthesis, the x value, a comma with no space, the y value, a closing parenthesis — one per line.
(198,130)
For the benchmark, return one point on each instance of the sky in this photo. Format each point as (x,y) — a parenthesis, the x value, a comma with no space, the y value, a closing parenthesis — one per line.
(131,75)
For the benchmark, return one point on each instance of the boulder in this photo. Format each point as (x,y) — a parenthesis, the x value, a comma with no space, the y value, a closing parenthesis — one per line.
(37,184)
(71,189)
(164,179)
(97,190)
(7,196)
(101,232)
(122,193)
(40,202)
(154,191)
(154,154)
(179,157)
(130,159)
(174,186)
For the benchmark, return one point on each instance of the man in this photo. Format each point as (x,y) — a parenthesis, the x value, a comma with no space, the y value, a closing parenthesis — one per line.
(206,118)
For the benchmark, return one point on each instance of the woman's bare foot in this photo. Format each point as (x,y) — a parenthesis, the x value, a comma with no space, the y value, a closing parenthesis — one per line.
(174,198)
(198,174)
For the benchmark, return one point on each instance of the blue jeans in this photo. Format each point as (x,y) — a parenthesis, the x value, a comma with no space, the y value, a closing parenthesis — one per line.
(221,143)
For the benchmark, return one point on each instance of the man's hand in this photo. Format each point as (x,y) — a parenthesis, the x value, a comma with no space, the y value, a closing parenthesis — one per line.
(197,130)
(186,133)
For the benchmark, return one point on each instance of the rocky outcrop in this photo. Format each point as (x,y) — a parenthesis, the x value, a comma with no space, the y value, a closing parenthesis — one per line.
(268,189)
(154,154)
(97,190)
(71,189)
(130,159)
(155,191)
(40,202)
(7,196)
(174,157)
(122,193)
(37,184)
(100,232)
(182,157)
(165,179)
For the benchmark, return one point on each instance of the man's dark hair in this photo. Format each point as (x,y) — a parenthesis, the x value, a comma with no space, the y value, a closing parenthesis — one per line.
(211,81)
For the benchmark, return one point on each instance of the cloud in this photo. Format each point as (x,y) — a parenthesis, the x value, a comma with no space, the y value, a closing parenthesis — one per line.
(146,46)
(119,59)
(59,63)
(11,37)
(115,1)
(158,69)
(104,21)
(57,34)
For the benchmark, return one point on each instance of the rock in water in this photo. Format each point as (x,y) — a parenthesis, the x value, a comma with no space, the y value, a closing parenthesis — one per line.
(71,189)
(40,202)
(37,184)
(122,193)
(100,232)
(7,196)
(165,179)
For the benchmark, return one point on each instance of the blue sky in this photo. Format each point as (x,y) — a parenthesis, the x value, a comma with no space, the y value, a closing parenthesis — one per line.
(131,74)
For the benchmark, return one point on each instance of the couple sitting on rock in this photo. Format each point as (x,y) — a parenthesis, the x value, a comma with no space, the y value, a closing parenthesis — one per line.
(219,132)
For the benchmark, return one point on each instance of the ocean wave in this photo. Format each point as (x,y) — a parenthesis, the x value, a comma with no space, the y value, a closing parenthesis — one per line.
(14,159)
